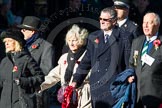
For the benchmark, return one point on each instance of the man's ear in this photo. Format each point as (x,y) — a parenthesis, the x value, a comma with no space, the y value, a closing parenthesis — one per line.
(33,31)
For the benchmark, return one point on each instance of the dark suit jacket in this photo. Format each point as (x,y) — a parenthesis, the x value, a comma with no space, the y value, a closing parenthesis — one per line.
(105,61)
(149,78)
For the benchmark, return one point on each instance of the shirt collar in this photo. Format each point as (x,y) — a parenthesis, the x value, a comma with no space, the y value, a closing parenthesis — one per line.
(109,33)
(152,38)
(120,23)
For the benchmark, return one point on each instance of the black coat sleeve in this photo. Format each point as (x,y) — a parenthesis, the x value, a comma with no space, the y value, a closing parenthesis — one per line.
(32,75)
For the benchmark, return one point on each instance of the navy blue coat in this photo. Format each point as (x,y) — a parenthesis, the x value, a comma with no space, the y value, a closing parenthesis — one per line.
(132,27)
(105,61)
(122,91)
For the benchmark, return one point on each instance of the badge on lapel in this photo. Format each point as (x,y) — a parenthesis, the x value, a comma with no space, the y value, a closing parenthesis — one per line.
(135,56)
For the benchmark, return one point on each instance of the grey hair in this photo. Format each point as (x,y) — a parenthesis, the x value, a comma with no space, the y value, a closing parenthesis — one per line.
(80,33)
(157,17)
(111,11)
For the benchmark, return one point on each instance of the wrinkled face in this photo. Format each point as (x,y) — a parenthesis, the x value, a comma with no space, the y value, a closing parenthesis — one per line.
(106,22)
(9,44)
(150,27)
(27,33)
(73,43)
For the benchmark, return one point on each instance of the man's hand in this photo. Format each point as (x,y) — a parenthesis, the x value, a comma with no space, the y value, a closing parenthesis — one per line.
(131,79)
(73,84)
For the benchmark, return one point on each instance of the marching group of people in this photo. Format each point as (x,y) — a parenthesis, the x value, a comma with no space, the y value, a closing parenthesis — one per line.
(114,67)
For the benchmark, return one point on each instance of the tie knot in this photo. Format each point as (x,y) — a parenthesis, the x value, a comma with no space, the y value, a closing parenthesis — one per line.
(106,35)
(148,41)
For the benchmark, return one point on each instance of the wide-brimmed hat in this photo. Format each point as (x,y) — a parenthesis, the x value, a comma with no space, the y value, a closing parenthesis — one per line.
(14,34)
(30,23)
(121,3)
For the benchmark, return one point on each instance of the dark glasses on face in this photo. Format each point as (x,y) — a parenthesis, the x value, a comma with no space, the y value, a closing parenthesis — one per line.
(107,20)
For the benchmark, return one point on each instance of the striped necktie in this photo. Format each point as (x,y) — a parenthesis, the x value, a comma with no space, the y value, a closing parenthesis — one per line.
(145,50)
(106,37)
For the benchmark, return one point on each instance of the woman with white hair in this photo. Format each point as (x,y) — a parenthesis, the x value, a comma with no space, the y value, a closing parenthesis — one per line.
(76,39)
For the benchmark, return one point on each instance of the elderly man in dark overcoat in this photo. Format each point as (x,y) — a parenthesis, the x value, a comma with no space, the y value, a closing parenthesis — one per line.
(108,52)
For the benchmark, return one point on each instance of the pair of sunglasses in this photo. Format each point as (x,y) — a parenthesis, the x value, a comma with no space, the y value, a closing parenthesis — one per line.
(107,20)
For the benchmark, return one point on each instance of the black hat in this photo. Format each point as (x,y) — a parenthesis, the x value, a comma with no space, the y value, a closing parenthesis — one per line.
(121,3)
(14,34)
(30,23)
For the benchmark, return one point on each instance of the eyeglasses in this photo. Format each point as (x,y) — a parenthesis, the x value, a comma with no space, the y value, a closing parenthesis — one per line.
(24,30)
(107,20)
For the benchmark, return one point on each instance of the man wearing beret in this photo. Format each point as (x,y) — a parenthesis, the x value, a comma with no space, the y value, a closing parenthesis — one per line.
(41,50)
(122,8)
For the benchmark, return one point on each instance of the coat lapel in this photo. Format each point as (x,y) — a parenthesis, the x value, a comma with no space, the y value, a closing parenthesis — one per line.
(140,43)
(34,46)
(104,46)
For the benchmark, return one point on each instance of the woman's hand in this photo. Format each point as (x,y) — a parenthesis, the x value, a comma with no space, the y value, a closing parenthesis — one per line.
(73,84)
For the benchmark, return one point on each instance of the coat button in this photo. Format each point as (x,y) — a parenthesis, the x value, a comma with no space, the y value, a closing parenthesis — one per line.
(105,69)
(98,70)
(98,81)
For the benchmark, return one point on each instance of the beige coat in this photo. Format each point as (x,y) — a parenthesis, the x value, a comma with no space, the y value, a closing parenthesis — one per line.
(57,74)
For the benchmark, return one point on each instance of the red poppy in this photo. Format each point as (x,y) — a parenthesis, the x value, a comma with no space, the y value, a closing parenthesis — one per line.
(15,69)
(96,40)
(34,46)
(64,61)
(157,43)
